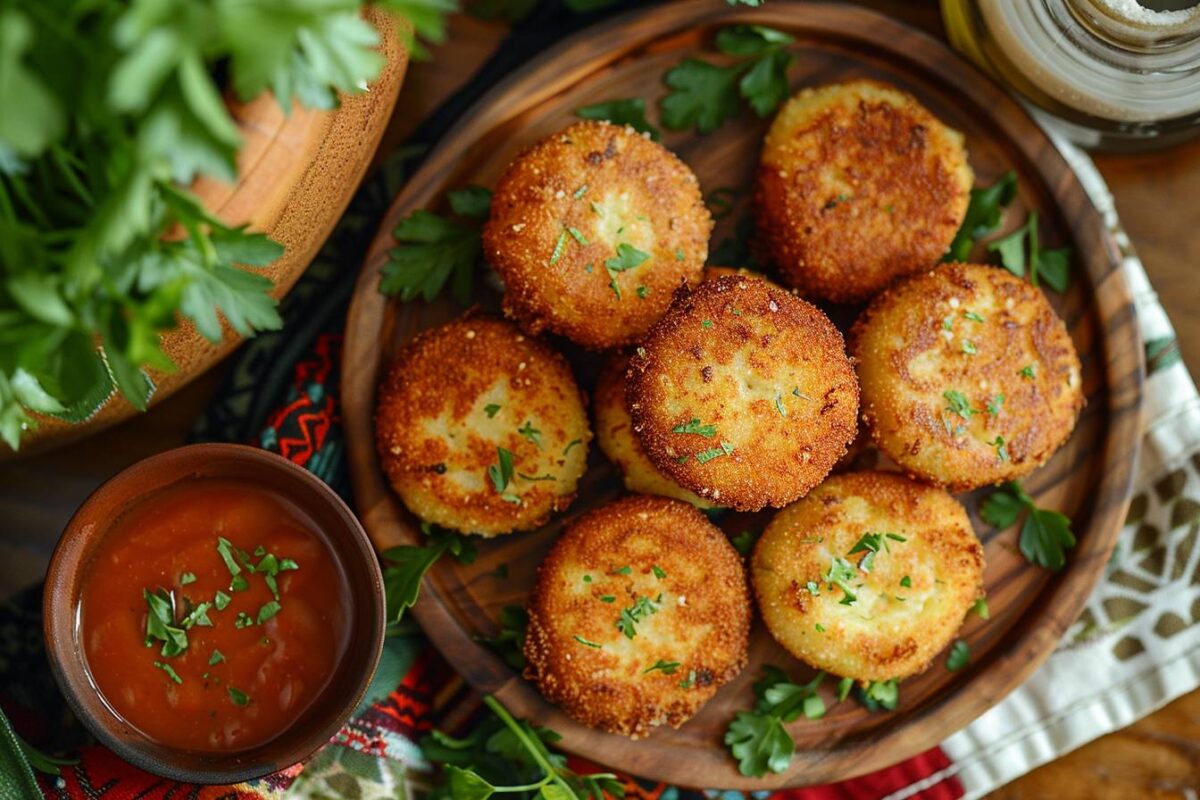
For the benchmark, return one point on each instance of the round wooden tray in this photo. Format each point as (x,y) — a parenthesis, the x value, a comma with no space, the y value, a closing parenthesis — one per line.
(1088,479)
(296,175)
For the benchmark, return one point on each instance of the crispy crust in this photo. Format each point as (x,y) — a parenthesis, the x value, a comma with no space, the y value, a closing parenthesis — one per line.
(436,440)
(907,360)
(858,184)
(731,353)
(878,637)
(612,185)
(702,622)
(614,434)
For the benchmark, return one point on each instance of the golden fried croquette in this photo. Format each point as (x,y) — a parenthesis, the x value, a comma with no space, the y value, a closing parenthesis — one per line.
(592,229)
(481,428)
(640,613)
(869,576)
(614,434)
(858,184)
(712,273)
(743,394)
(968,376)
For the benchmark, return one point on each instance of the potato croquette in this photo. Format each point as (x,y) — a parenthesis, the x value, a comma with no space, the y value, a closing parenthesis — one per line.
(592,229)
(743,393)
(481,428)
(614,434)
(869,576)
(858,184)
(968,376)
(640,613)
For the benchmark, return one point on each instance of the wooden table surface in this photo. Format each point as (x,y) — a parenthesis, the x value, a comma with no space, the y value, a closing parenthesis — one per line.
(1156,196)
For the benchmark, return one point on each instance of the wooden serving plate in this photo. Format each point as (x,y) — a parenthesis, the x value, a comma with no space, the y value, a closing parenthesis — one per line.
(1088,479)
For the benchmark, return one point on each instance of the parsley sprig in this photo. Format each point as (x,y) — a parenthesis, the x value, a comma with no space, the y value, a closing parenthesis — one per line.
(629,111)
(112,108)
(406,565)
(758,739)
(1045,535)
(704,95)
(433,250)
(505,755)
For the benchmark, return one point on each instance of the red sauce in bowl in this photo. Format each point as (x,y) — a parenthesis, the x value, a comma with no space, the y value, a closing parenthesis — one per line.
(264,656)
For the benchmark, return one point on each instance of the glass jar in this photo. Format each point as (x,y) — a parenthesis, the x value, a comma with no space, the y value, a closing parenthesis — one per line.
(1116,74)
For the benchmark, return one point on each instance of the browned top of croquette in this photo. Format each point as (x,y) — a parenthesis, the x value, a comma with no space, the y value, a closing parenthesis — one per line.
(968,376)
(639,615)
(743,393)
(591,229)
(909,595)
(456,395)
(858,184)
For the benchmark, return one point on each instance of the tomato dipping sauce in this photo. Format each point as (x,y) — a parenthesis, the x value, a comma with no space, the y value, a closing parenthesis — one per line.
(212,614)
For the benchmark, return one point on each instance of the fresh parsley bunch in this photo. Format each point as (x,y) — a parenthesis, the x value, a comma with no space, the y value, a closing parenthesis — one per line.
(114,106)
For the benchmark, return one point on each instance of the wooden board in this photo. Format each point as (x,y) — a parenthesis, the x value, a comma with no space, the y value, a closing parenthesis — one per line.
(1089,479)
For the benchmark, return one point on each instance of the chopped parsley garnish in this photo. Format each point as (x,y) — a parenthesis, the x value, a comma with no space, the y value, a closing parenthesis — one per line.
(268,610)
(704,456)
(679,255)
(239,584)
(239,698)
(971,315)
(948,323)
(501,475)
(882,694)
(577,236)
(797,393)
(587,578)
(843,688)
(981,608)
(694,426)
(625,570)
(198,616)
(1028,371)
(959,404)
(643,292)
(994,404)
(160,624)
(221,600)
(820,628)
(779,406)
(707,323)
(959,655)
(243,620)
(906,582)
(171,673)
(628,257)
(490,409)
(531,433)
(559,246)
(226,550)
(536,478)
(632,615)
(216,658)
(608,598)
(187,578)
(814,588)
(658,571)
(665,667)
(840,573)
(968,347)
(1001,449)
(1045,535)
(689,681)
(587,642)
(571,444)
(580,192)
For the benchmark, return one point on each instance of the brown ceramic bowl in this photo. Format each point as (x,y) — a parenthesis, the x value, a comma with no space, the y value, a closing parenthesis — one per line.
(342,533)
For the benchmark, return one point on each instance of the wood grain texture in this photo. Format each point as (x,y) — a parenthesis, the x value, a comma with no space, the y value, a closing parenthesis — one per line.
(1088,479)
(296,174)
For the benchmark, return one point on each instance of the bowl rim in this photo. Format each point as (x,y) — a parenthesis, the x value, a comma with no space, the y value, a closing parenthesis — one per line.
(68,662)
